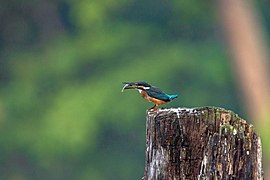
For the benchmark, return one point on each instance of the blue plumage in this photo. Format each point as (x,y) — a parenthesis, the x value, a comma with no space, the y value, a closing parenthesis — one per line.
(150,93)
(158,94)
(173,96)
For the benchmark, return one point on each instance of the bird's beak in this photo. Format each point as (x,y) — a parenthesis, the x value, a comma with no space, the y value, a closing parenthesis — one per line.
(129,85)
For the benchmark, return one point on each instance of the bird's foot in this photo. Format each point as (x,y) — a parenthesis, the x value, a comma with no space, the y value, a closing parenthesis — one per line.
(153,109)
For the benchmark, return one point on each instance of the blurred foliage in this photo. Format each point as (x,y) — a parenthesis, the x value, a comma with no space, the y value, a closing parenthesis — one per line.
(62,114)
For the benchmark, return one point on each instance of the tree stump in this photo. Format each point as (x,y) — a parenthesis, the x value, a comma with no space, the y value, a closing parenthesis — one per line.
(201,143)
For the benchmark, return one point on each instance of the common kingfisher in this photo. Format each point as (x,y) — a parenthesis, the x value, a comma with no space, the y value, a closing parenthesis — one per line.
(150,93)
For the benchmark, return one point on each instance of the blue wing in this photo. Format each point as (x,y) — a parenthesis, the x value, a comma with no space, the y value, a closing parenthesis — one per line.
(158,94)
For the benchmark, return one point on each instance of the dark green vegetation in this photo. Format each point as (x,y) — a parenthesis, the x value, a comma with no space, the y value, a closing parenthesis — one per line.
(62,113)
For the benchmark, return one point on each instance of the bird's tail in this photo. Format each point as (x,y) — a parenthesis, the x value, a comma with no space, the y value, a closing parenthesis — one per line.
(173,96)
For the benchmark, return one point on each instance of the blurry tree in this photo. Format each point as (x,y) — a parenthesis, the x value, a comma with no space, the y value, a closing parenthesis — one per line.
(247,44)
(62,64)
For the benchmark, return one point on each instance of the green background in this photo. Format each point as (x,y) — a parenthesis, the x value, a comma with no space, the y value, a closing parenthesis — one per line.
(62,113)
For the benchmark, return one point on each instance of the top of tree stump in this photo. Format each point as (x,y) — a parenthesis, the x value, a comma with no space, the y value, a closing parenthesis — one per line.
(203,142)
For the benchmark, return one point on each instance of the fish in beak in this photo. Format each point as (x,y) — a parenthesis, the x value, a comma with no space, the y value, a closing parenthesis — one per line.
(129,85)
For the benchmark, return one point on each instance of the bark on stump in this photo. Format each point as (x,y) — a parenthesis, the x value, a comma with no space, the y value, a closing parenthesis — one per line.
(201,143)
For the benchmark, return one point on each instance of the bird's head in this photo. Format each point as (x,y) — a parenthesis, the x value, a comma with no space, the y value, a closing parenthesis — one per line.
(136,85)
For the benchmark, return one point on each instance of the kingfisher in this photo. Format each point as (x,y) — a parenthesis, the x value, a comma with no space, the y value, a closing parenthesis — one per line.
(150,93)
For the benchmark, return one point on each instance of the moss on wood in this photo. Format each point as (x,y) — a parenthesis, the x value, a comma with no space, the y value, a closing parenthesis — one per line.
(201,143)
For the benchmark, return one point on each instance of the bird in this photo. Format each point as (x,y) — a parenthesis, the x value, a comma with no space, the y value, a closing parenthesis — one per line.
(150,93)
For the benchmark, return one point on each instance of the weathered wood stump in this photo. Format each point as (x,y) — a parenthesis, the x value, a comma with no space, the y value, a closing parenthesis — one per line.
(201,143)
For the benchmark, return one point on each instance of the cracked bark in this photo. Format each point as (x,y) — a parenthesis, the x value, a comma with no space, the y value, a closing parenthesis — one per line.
(201,143)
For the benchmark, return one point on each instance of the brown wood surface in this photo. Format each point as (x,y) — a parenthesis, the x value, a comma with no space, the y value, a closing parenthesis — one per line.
(201,143)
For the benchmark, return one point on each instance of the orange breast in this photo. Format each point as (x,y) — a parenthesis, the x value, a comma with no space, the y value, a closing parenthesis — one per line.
(151,99)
